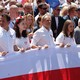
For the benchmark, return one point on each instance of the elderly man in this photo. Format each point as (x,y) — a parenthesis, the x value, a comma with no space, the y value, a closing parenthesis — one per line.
(44,35)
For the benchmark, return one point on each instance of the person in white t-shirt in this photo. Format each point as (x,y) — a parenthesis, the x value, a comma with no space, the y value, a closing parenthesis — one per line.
(44,36)
(22,40)
(65,38)
(7,36)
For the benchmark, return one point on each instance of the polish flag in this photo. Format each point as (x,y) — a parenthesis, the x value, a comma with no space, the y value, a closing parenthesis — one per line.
(49,64)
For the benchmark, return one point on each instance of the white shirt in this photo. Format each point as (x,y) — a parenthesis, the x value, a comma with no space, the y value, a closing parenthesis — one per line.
(63,39)
(7,39)
(22,42)
(42,36)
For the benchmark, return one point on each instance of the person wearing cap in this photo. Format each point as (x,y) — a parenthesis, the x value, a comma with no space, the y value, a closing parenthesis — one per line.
(77,33)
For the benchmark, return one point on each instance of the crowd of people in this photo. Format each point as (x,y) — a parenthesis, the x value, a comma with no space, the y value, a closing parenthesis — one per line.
(29,26)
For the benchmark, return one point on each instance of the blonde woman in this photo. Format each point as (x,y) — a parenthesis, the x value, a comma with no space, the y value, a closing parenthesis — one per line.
(29,24)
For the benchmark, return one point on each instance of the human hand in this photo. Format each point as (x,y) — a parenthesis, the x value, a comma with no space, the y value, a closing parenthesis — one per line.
(67,45)
(45,47)
(61,45)
(3,53)
(22,50)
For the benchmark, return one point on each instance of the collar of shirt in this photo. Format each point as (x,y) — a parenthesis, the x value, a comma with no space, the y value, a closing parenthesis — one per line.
(45,29)
(5,31)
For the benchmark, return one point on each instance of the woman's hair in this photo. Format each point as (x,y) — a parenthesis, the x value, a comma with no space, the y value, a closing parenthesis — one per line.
(64,11)
(32,25)
(16,28)
(65,28)
(38,20)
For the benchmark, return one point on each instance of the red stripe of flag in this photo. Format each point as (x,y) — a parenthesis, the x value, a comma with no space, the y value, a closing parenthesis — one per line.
(60,74)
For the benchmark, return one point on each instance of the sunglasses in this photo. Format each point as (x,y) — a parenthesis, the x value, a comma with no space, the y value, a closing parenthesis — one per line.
(44,8)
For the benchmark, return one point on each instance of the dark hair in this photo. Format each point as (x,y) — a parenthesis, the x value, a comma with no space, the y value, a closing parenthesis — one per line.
(38,20)
(7,17)
(16,28)
(65,28)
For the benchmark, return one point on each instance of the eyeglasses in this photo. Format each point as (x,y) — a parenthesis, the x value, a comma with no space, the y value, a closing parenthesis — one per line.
(44,8)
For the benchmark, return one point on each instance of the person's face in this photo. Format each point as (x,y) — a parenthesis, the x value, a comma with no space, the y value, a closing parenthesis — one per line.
(47,22)
(43,10)
(14,13)
(29,20)
(71,27)
(73,12)
(5,23)
(22,25)
(56,11)
(28,9)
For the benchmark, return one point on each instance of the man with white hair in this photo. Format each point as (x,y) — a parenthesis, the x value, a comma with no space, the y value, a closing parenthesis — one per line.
(77,33)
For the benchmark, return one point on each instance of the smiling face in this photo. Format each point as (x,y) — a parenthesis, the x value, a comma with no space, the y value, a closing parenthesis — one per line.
(70,27)
(29,20)
(22,25)
(46,21)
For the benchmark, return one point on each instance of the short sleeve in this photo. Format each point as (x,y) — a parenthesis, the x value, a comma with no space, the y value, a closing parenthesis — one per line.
(60,38)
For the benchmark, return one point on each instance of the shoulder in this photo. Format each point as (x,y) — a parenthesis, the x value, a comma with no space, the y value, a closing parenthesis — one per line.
(77,29)
(61,35)
(39,31)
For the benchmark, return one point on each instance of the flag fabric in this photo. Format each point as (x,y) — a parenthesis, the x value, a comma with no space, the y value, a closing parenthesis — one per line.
(49,64)
(55,3)
(22,1)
